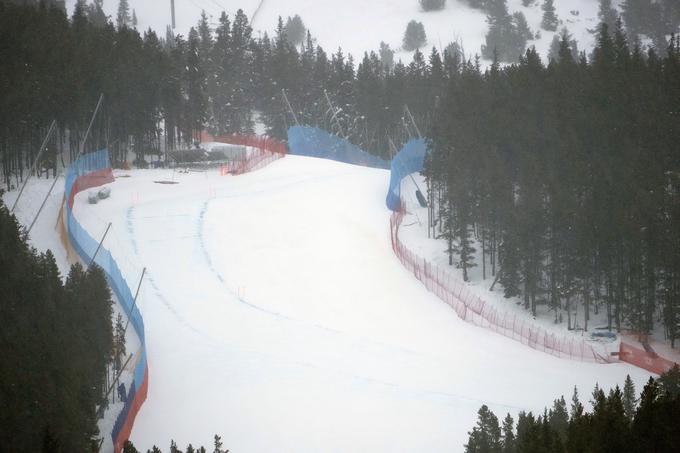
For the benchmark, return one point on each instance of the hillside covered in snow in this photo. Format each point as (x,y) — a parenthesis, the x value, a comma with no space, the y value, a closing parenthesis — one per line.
(358,26)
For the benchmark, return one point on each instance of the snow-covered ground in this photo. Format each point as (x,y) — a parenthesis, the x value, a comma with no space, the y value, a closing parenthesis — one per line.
(358,26)
(278,317)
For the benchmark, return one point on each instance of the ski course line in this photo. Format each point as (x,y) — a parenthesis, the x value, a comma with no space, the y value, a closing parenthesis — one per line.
(220,344)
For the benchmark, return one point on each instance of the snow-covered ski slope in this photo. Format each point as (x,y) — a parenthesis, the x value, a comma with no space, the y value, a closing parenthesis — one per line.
(359,25)
(278,317)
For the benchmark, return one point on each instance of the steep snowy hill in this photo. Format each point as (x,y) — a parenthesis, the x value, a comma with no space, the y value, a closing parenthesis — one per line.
(358,26)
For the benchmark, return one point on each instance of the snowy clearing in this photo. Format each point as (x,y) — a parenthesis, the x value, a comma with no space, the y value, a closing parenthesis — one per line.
(278,317)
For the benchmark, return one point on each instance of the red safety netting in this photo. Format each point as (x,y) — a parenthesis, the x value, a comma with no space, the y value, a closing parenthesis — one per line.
(471,308)
(643,359)
(262,151)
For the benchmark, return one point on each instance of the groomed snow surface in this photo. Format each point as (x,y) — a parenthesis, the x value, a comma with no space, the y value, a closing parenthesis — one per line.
(278,317)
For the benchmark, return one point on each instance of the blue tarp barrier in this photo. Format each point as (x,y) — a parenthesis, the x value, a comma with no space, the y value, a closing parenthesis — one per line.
(90,170)
(314,142)
(410,159)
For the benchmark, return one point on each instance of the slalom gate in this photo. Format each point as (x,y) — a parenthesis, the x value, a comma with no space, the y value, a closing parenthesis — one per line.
(263,151)
(92,170)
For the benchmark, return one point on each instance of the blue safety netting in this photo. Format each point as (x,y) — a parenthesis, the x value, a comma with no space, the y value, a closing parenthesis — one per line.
(84,165)
(410,159)
(83,173)
(313,142)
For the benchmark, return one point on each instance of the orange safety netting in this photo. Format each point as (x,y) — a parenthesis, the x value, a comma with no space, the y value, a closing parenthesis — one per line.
(262,152)
(643,359)
(473,309)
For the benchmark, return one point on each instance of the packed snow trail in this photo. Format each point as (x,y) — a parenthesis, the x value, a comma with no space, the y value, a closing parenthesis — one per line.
(278,317)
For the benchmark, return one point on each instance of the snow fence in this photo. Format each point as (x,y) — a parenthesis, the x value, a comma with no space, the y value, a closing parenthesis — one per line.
(92,170)
(263,151)
(314,142)
(646,360)
(473,309)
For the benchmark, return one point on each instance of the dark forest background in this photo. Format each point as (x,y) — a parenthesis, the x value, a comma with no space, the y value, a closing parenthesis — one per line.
(57,344)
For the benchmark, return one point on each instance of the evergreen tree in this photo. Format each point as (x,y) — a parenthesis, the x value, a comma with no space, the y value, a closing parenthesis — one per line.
(128,447)
(386,56)
(550,21)
(52,408)
(486,436)
(414,36)
(218,445)
(563,42)
(432,5)
(576,406)
(295,30)
(123,17)
(508,435)
(558,418)
(96,15)
(635,14)
(629,398)
(669,382)
(507,36)
(607,13)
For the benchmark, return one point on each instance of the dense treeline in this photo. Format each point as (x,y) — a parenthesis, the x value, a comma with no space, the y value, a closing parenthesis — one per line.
(56,68)
(56,341)
(161,93)
(619,421)
(569,177)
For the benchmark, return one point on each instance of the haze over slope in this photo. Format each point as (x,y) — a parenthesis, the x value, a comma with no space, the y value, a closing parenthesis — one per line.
(358,26)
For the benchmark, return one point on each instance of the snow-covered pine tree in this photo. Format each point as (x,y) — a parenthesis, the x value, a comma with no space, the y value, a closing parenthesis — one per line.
(486,436)
(386,56)
(550,20)
(629,398)
(432,5)
(564,38)
(414,36)
(295,30)
(508,435)
(607,13)
(119,343)
(123,17)
(558,418)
